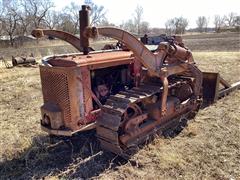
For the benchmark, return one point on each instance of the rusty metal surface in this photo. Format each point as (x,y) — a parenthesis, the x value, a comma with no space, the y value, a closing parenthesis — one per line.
(67,132)
(51,115)
(152,61)
(56,131)
(93,60)
(84,19)
(224,83)
(227,90)
(132,124)
(164,95)
(156,97)
(65,36)
(210,86)
(59,86)
(117,129)
(133,43)
(85,80)
(82,43)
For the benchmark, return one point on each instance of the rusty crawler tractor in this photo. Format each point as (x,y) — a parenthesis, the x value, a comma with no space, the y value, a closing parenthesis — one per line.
(126,95)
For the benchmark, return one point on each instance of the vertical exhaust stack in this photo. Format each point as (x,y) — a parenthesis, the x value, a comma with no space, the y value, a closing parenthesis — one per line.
(84,22)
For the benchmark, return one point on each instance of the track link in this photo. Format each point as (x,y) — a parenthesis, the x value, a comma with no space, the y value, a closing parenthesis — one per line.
(109,123)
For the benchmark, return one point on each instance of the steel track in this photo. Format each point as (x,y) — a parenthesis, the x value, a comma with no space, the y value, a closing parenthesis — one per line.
(109,123)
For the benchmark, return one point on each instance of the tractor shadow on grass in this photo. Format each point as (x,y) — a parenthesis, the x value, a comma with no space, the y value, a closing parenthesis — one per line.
(78,157)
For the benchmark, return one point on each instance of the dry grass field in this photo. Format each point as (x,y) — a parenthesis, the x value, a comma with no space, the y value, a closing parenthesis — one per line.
(208,148)
(215,42)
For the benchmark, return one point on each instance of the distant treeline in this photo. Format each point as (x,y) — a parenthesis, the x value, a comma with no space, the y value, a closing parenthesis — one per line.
(19,17)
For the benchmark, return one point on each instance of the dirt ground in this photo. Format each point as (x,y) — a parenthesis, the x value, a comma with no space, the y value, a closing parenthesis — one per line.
(208,148)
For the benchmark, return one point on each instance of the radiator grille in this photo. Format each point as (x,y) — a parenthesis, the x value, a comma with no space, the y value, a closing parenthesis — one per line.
(55,89)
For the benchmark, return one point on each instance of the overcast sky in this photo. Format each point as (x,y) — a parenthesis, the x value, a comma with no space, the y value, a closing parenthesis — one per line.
(157,12)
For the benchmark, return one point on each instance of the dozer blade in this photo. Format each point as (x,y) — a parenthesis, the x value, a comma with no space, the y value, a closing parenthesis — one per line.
(211,87)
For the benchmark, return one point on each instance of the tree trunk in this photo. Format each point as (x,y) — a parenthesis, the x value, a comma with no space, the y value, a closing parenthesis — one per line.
(11,40)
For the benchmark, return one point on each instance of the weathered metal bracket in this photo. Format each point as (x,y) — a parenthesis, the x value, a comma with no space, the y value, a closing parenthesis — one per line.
(211,87)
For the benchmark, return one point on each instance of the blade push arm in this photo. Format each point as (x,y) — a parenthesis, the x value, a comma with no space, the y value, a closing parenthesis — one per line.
(151,61)
(65,36)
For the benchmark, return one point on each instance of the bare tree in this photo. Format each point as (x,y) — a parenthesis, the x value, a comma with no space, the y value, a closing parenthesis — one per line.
(9,20)
(52,19)
(176,25)
(73,11)
(218,22)
(66,23)
(202,23)
(1,25)
(138,18)
(36,10)
(237,21)
(1,29)
(105,22)
(97,13)
(136,25)
(144,27)
(170,26)
(230,18)
(181,25)
(25,21)
(128,26)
